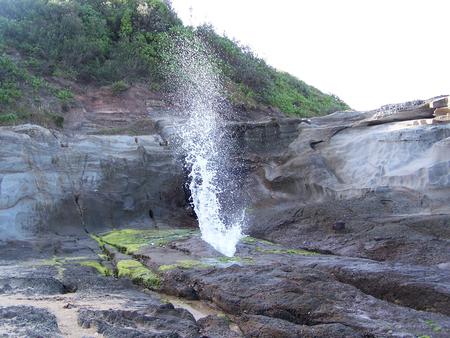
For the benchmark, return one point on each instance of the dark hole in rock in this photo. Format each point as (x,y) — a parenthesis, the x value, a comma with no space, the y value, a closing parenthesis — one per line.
(150,213)
(338,226)
(69,288)
(187,191)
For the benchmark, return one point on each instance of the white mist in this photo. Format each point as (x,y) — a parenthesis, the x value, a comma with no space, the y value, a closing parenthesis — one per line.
(205,146)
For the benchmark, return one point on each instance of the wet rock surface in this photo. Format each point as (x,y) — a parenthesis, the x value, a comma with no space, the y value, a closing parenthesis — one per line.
(62,295)
(290,291)
(266,290)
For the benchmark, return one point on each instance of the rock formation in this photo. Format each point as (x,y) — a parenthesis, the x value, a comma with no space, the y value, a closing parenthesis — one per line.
(385,173)
(349,217)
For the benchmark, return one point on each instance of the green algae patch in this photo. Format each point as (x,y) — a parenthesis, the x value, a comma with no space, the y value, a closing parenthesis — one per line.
(103,257)
(253,240)
(129,241)
(138,273)
(102,270)
(248,260)
(435,327)
(184,264)
(98,239)
(235,259)
(287,251)
(56,261)
(249,240)
(206,263)
(225,259)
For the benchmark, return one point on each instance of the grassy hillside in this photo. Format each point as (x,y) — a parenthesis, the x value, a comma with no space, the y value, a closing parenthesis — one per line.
(121,42)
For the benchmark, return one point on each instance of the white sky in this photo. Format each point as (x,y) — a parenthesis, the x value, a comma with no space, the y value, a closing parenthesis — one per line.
(368,52)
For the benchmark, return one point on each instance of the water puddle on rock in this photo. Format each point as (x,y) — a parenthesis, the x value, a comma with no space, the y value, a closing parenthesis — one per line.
(199,309)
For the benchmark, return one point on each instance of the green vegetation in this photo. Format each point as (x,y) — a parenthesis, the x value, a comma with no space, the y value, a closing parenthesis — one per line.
(287,251)
(21,93)
(184,264)
(435,327)
(64,95)
(102,270)
(252,240)
(119,87)
(129,241)
(8,118)
(120,42)
(225,259)
(209,262)
(252,82)
(235,259)
(138,273)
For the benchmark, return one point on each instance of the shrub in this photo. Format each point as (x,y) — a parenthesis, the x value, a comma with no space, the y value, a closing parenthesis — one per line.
(65,95)
(9,92)
(8,118)
(121,41)
(119,87)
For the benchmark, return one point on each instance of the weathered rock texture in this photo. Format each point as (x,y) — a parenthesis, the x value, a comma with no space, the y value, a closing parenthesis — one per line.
(52,183)
(386,174)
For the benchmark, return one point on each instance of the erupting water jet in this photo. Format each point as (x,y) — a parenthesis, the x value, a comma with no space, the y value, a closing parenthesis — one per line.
(206,146)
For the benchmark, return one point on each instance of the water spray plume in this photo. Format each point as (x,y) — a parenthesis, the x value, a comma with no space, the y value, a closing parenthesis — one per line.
(205,145)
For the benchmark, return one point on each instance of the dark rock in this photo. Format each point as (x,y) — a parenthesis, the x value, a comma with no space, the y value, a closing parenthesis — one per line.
(160,322)
(338,226)
(304,297)
(28,321)
(268,327)
(216,327)
(32,285)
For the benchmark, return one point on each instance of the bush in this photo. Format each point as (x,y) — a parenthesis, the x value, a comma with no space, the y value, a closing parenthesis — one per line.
(119,87)
(65,95)
(120,41)
(8,118)
(9,92)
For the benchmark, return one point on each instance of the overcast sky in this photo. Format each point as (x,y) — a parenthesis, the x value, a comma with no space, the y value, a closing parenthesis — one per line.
(369,53)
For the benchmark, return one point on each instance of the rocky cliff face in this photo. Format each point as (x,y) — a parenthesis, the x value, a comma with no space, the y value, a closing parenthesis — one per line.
(349,217)
(53,183)
(384,173)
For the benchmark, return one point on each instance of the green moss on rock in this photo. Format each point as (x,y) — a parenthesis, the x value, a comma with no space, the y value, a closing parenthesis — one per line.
(287,251)
(102,270)
(98,240)
(252,240)
(129,241)
(138,273)
(225,259)
(184,264)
